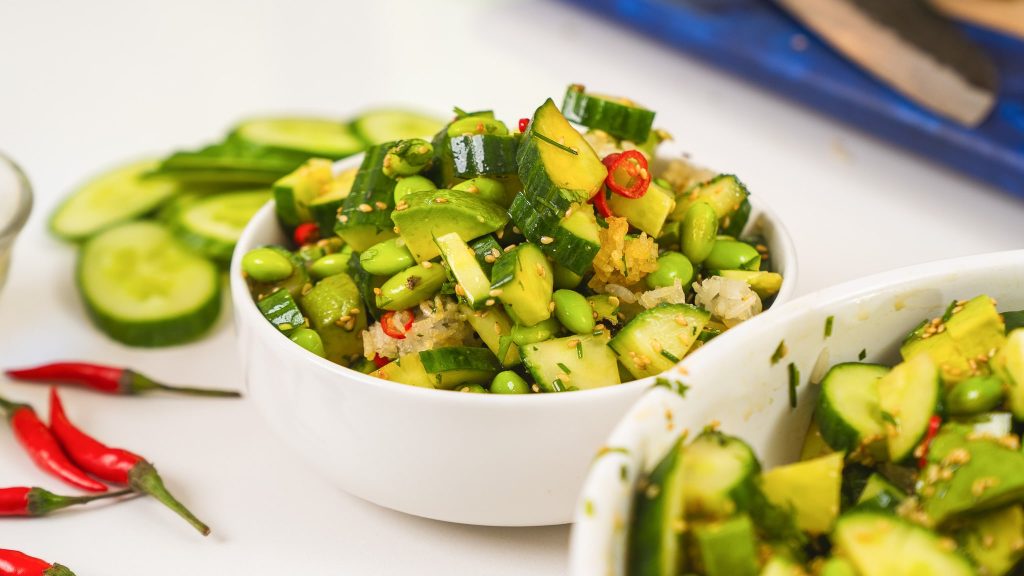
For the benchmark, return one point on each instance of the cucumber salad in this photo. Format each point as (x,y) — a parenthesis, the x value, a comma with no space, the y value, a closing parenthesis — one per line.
(541,259)
(907,470)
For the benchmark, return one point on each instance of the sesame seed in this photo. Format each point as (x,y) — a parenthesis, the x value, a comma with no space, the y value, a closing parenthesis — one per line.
(489,258)
(365,208)
(460,290)
(377,291)
(396,230)
(496,292)
(551,306)
(306,288)
(516,230)
(489,302)
(540,270)
(342,218)
(535,388)
(509,248)
(546,239)
(401,206)
(440,200)
(427,264)
(380,205)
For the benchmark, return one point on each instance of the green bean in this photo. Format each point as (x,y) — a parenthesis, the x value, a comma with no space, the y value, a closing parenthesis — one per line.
(544,330)
(308,339)
(411,184)
(266,265)
(672,266)
(975,395)
(487,188)
(565,278)
(508,382)
(411,286)
(387,257)
(472,388)
(697,234)
(573,311)
(733,255)
(329,265)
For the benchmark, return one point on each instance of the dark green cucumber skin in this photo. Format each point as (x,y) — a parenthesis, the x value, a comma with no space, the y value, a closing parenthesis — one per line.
(233,161)
(619,120)
(325,214)
(737,221)
(366,283)
(369,187)
(651,518)
(281,310)
(504,269)
(441,360)
(483,155)
(215,250)
(481,248)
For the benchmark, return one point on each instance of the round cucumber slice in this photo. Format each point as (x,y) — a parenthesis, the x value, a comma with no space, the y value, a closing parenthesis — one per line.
(212,225)
(313,136)
(111,198)
(379,126)
(143,288)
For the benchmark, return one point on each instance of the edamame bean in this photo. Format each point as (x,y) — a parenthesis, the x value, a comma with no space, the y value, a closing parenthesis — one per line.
(975,395)
(487,188)
(411,184)
(387,257)
(308,339)
(266,265)
(508,382)
(477,125)
(565,278)
(472,388)
(539,332)
(329,266)
(410,287)
(733,255)
(672,266)
(697,234)
(573,311)
(407,158)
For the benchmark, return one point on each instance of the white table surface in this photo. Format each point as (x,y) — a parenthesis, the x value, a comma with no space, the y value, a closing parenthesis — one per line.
(84,85)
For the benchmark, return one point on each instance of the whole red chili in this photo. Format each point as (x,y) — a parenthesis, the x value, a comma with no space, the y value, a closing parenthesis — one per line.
(391,320)
(26,501)
(114,464)
(14,563)
(628,174)
(933,430)
(380,361)
(600,201)
(43,448)
(524,123)
(306,233)
(109,379)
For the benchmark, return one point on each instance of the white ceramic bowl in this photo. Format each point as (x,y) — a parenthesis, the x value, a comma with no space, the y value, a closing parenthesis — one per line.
(737,384)
(469,458)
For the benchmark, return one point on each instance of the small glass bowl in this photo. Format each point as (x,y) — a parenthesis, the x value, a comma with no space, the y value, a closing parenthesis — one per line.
(15,206)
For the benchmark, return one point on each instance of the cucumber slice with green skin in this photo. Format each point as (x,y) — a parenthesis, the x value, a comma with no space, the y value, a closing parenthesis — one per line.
(365,215)
(810,489)
(483,155)
(471,282)
(720,473)
(324,207)
(436,212)
(880,544)
(109,199)
(1013,320)
(294,193)
(334,310)
(656,339)
(728,548)
(379,126)
(459,365)
(281,310)
(487,250)
(576,240)
(573,362)
(494,327)
(232,163)
(620,117)
(309,136)
(725,193)
(657,529)
(849,414)
(143,288)
(908,397)
(1008,364)
(880,494)
(366,283)
(995,540)
(526,282)
(647,213)
(212,225)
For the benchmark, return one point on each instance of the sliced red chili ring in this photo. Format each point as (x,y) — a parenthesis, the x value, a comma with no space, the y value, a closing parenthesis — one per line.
(524,123)
(397,326)
(380,361)
(628,173)
(601,203)
(306,233)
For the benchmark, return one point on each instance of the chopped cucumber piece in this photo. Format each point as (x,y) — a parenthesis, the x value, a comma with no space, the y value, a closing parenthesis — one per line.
(457,366)
(879,544)
(657,339)
(213,225)
(526,281)
(654,539)
(281,311)
(619,117)
(471,282)
(495,328)
(720,473)
(573,362)
(908,396)
(728,547)
(437,212)
(849,414)
(648,212)
(810,489)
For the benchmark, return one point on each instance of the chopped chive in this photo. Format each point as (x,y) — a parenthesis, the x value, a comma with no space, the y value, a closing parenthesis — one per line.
(579,349)
(828,326)
(780,352)
(557,386)
(623,472)
(553,143)
(670,356)
(564,368)
(588,507)
(794,381)
(863,354)
(673,385)
(459,112)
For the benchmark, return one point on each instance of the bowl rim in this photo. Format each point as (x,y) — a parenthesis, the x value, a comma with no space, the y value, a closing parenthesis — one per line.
(244,304)
(23,206)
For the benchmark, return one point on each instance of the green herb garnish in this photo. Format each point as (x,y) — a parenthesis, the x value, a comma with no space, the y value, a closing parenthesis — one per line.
(794,381)
(558,145)
(670,356)
(863,354)
(780,352)
(564,368)
(579,349)
(828,326)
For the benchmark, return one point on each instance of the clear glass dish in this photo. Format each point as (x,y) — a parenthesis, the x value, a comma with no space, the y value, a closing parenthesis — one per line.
(15,206)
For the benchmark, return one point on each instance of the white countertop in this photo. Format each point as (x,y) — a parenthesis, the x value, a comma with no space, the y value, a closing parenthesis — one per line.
(88,84)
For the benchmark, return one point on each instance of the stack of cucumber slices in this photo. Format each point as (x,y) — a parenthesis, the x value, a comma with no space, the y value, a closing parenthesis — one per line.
(907,470)
(560,255)
(156,234)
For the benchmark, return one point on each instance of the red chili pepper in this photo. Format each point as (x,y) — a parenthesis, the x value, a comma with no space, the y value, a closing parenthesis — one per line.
(306,233)
(380,361)
(107,379)
(43,448)
(14,563)
(628,174)
(390,322)
(524,123)
(114,464)
(26,501)
(933,430)
(601,203)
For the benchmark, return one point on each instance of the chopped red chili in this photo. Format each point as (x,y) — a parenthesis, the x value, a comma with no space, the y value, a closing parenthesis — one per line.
(397,323)
(524,123)
(933,429)
(628,173)
(380,361)
(306,233)
(601,203)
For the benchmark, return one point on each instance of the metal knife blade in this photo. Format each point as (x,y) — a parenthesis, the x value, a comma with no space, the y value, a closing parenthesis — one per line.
(908,45)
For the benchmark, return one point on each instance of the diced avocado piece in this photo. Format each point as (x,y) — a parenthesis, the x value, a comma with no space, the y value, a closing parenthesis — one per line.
(994,540)
(977,328)
(471,282)
(526,282)
(727,547)
(335,311)
(647,213)
(324,206)
(658,523)
(406,370)
(908,396)
(720,473)
(437,212)
(764,284)
(810,489)
(880,544)
(1008,364)
(880,494)
(960,341)
(725,193)
(814,444)
(294,192)
(573,362)
(494,327)
(943,351)
(658,338)
(459,365)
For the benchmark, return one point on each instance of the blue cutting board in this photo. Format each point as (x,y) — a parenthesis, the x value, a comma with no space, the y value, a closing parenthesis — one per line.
(759,42)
